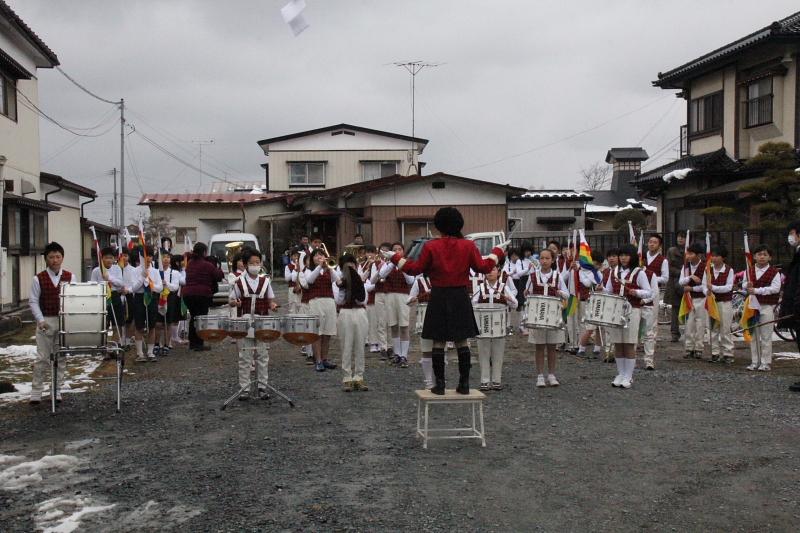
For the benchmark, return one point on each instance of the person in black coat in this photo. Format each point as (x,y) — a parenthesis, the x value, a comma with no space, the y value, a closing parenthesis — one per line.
(790,302)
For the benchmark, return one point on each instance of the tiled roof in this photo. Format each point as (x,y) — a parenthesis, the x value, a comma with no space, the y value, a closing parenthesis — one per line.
(555,194)
(712,161)
(7,13)
(341,127)
(58,181)
(787,27)
(398,180)
(626,154)
(209,198)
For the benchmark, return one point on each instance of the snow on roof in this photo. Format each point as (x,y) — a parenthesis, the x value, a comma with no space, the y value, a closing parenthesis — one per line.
(565,194)
(679,174)
(592,208)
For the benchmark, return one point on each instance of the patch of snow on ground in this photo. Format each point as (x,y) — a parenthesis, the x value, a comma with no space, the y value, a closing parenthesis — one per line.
(786,355)
(27,474)
(16,366)
(63,514)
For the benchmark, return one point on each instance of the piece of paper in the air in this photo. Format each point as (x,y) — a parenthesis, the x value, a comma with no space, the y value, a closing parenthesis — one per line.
(293,15)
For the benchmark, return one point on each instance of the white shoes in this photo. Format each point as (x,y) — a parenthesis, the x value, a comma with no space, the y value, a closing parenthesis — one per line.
(141,358)
(617,381)
(552,381)
(752,366)
(764,368)
(625,383)
(540,381)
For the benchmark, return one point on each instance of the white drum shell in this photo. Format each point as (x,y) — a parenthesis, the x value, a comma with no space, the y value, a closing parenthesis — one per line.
(82,315)
(607,310)
(491,320)
(543,312)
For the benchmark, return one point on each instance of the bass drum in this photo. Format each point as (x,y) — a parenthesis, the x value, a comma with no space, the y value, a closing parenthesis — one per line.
(82,315)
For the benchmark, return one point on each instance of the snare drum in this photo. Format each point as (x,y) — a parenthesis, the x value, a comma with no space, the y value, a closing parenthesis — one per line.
(607,310)
(237,328)
(543,312)
(82,315)
(422,308)
(300,329)
(267,328)
(491,319)
(211,327)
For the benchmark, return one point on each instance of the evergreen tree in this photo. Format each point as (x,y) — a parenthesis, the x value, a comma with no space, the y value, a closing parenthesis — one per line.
(776,197)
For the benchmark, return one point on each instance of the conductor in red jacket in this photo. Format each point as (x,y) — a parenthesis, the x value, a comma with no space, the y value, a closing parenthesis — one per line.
(201,277)
(446,261)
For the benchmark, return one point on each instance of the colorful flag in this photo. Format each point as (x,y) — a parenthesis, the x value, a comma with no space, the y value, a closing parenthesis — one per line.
(585,256)
(100,262)
(711,299)
(687,306)
(751,310)
(640,249)
(145,264)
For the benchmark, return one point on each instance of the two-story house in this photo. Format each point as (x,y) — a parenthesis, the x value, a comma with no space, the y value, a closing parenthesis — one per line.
(25,215)
(335,182)
(338,155)
(737,97)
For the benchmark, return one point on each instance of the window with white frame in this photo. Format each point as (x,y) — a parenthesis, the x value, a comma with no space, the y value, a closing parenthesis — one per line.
(307,174)
(378,169)
(759,102)
(8,95)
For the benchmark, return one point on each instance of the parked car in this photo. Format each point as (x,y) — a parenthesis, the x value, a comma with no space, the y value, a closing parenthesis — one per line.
(217,248)
(487,240)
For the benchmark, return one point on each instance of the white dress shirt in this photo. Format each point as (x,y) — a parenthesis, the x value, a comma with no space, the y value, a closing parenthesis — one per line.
(719,289)
(643,292)
(36,293)
(663,277)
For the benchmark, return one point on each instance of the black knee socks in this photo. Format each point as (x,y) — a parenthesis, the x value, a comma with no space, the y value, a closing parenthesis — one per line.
(463,370)
(437,361)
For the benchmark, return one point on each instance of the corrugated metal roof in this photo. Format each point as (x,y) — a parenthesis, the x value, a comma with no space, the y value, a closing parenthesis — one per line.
(341,127)
(209,198)
(787,27)
(554,194)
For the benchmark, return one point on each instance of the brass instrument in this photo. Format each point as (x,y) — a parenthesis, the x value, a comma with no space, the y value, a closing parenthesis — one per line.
(331,261)
(231,249)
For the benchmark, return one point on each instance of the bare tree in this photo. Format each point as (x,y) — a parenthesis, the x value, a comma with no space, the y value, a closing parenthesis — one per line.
(596,177)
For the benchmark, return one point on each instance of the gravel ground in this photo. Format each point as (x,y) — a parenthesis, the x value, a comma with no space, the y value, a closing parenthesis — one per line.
(692,446)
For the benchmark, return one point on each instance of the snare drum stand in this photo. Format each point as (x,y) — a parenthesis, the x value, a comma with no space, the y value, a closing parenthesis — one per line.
(253,384)
(117,352)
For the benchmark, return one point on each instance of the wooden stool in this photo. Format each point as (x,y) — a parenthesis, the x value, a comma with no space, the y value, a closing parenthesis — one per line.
(426,398)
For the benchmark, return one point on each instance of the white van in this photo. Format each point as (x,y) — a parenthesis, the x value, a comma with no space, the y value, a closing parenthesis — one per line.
(487,240)
(216,247)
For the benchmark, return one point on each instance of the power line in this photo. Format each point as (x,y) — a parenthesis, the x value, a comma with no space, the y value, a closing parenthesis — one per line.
(657,122)
(41,113)
(163,150)
(84,89)
(568,137)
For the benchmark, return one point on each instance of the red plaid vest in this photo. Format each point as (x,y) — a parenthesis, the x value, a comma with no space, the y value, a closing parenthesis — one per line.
(499,294)
(262,304)
(765,281)
(720,280)
(396,282)
(655,265)
(50,297)
(699,273)
(321,288)
(632,283)
(552,284)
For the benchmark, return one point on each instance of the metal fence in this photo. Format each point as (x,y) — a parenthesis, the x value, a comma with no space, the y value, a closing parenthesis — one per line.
(602,241)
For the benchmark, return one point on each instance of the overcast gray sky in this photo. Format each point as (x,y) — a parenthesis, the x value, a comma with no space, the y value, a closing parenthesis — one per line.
(516,75)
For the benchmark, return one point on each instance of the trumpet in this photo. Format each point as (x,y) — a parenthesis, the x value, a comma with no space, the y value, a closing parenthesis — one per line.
(331,261)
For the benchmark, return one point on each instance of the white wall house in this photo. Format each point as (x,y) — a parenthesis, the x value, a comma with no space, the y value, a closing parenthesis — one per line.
(25,227)
(336,156)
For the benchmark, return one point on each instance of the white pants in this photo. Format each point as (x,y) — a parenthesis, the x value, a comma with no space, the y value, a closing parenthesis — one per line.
(380,315)
(721,338)
(696,324)
(372,317)
(652,327)
(353,326)
(250,348)
(650,318)
(764,336)
(575,326)
(46,343)
(292,301)
(490,356)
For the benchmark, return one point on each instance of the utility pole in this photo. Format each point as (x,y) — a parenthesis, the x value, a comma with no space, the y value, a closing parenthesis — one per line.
(3,161)
(201,143)
(414,68)
(122,162)
(115,200)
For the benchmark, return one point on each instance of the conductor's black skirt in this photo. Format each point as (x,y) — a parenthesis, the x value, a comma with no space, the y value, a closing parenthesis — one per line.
(449,316)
